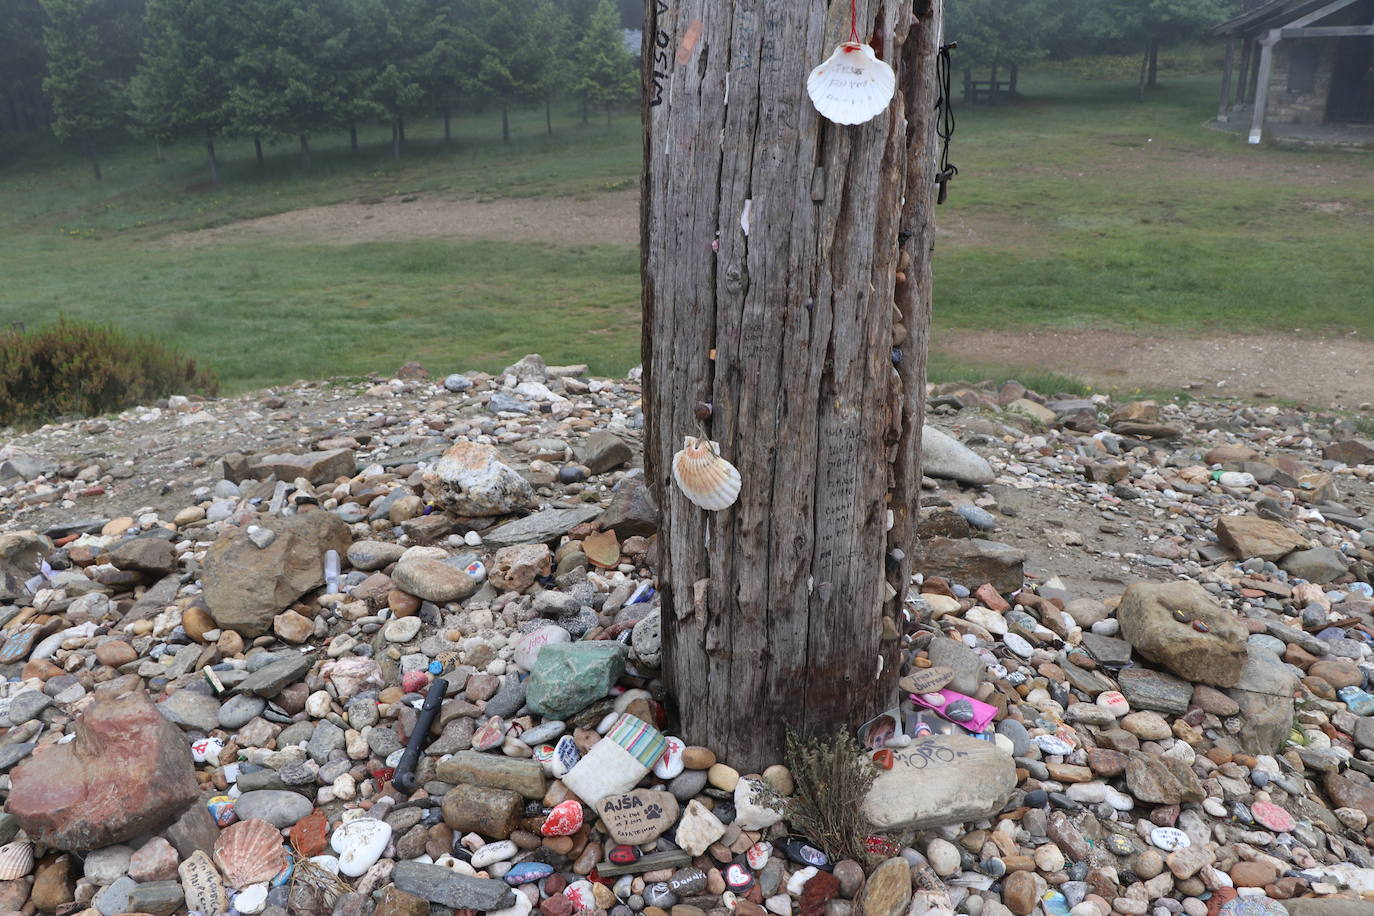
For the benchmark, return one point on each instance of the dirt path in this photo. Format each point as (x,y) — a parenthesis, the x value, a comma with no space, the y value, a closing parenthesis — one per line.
(1319,371)
(608,218)
(1327,372)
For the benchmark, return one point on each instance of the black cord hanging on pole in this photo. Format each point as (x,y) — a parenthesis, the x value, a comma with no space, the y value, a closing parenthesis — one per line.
(944,121)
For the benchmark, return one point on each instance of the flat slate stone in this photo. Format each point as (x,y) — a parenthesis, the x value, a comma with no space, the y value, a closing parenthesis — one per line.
(541,527)
(448,888)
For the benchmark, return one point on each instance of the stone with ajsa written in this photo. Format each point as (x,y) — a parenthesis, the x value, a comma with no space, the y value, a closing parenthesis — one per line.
(938,780)
(638,817)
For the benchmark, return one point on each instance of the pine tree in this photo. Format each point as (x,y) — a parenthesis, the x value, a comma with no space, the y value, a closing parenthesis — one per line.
(87,102)
(182,87)
(604,71)
(283,76)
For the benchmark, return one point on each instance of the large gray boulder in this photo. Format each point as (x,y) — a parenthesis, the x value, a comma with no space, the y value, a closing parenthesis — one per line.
(944,456)
(1265,694)
(471,480)
(246,585)
(1179,626)
(938,780)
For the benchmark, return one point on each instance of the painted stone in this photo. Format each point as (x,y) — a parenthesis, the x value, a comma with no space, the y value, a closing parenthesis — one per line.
(490,735)
(1273,817)
(801,851)
(884,758)
(1118,844)
(959,711)
(623,855)
(527,873)
(1252,906)
(221,808)
(758,854)
(205,892)
(638,817)
(1169,838)
(206,750)
(581,894)
(563,820)
(926,680)
(565,756)
(671,763)
(1114,702)
(738,878)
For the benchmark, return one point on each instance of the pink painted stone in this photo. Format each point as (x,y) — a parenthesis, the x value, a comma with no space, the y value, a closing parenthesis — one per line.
(563,820)
(758,854)
(415,681)
(1273,817)
(489,735)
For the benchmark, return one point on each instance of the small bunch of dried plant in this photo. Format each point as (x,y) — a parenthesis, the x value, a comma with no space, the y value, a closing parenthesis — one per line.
(832,777)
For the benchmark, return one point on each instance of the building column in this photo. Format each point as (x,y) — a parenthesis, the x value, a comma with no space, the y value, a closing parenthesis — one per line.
(1266,63)
(1224,109)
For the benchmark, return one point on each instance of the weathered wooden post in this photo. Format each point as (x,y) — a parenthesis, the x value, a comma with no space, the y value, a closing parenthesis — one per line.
(786,291)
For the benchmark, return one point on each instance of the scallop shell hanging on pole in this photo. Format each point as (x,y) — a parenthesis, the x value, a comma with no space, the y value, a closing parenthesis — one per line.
(706,478)
(852,86)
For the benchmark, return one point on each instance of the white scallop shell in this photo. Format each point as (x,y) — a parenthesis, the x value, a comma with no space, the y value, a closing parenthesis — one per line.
(16,860)
(708,479)
(852,86)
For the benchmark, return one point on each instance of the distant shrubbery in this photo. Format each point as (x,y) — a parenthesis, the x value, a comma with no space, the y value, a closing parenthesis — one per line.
(70,368)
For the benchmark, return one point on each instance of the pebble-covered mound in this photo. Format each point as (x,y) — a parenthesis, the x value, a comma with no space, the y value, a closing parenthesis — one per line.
(222,622)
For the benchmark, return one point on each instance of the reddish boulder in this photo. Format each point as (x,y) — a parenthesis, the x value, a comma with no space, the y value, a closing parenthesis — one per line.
(127,772)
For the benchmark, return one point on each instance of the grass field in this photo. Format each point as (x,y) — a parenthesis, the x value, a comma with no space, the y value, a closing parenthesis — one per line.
(1075,206)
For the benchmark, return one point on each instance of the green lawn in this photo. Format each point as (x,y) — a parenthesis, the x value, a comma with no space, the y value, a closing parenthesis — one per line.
(1075,206)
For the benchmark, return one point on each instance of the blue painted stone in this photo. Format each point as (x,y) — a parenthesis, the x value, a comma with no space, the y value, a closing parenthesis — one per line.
(436,667)
(528,873)
(1252,906)
(1055,903)
(1358,701)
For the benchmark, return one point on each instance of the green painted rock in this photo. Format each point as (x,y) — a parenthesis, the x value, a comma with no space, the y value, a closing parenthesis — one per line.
(570,676)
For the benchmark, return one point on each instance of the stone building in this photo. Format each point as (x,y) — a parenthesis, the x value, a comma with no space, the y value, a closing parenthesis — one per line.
(1299,62)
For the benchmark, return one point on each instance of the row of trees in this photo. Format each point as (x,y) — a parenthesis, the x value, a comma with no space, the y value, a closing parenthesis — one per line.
(270,69)
(1007,33)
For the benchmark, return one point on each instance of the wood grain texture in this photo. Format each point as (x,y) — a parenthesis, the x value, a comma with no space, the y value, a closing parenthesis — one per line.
(773,608)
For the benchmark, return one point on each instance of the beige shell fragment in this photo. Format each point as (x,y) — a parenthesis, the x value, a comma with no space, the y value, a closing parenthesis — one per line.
(706,478)
(16,860)
(852,86)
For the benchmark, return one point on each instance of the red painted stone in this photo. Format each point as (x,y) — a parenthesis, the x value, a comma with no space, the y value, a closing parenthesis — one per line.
(624,855)
(563,820)
(415,681)
(884,758)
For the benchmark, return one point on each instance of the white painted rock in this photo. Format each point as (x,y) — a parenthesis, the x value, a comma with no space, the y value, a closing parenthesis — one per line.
(527,649)
(492,853)
(359,844)
(670,764)
(1169,838)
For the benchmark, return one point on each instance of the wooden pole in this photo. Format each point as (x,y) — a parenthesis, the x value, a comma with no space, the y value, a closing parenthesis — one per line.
(1266,63)
(771,244)
(1224,108)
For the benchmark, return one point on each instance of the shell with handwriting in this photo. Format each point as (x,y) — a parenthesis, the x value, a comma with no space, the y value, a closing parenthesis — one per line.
(16,860)
(706,478)
(248,852)
(852,86)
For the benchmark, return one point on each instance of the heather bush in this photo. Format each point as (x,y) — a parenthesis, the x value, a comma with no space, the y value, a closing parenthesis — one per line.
(70,369)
